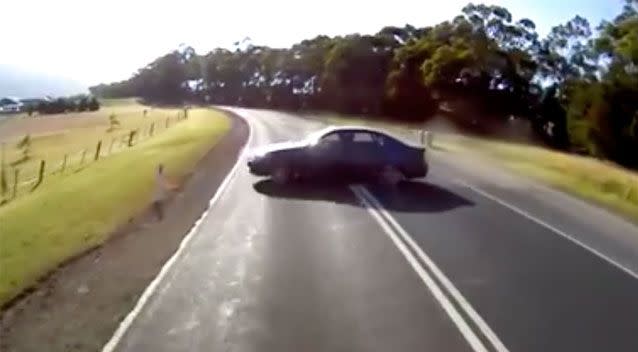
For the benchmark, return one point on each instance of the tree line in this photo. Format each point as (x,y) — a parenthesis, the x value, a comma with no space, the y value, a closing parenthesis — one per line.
(79,103)
(578,86)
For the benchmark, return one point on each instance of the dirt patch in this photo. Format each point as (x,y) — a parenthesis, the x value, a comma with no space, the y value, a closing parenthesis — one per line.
(78,307)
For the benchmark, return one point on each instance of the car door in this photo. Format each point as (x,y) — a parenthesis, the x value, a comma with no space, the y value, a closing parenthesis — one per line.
(363,154)
(326,156)
(391,152)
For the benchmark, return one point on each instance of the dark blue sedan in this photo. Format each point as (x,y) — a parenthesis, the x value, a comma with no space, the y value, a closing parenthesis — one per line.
(343,154)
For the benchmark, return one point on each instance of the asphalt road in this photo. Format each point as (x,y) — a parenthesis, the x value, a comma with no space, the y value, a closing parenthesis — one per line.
(469,259)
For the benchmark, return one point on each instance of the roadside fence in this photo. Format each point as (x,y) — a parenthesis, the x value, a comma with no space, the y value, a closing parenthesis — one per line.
(25,177)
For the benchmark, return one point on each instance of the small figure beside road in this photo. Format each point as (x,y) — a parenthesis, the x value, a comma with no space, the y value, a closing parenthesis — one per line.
(163,186)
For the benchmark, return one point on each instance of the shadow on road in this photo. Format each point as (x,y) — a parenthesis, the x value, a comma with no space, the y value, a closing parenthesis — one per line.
(407,197)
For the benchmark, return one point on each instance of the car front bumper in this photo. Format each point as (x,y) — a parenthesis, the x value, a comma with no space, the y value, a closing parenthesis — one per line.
(257,168)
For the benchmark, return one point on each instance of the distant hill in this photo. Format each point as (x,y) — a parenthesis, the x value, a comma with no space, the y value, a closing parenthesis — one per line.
(19,83)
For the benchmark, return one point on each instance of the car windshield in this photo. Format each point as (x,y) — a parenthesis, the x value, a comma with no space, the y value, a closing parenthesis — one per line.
(332,138)
(322,134)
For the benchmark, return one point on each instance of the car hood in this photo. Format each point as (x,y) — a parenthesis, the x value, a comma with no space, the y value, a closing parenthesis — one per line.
(268,148)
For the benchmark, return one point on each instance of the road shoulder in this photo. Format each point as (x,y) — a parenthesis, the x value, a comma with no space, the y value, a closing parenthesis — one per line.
(78,307)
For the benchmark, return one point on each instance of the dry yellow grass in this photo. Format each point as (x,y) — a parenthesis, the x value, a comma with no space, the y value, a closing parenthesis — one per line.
(600,181)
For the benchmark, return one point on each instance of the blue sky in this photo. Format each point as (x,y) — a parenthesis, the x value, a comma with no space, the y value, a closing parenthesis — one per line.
(93,41)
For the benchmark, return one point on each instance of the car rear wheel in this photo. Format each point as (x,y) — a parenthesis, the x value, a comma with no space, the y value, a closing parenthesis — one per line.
(390,176)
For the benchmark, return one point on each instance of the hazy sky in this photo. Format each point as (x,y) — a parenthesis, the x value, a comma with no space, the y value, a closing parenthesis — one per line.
(94,41)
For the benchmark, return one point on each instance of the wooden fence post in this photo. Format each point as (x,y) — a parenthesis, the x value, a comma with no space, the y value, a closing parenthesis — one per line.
(83,157)
(166,126)
(16,174)
(152,129)
(3,172)
(64,163)
(131,136)
(429,139)
(40,175)
(97,150)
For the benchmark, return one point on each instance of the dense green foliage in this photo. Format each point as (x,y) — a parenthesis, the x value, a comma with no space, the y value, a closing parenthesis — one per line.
(61,105)
(578,87)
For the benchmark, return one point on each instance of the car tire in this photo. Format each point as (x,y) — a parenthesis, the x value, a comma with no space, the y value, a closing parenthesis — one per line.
(281,175)
(390,176)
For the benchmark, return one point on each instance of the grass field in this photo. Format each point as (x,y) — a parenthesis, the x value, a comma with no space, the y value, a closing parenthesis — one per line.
(77,211)
(60,136)
(594,180)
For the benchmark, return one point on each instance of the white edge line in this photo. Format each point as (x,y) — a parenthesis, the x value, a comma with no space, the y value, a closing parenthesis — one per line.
(447,284)
(152,287)
(550,227)
(429,282)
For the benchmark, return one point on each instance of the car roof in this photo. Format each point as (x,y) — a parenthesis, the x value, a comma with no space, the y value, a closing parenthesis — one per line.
(352,128)
(356,128)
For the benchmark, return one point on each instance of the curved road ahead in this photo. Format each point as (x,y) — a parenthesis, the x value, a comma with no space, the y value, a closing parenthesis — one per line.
(469,259)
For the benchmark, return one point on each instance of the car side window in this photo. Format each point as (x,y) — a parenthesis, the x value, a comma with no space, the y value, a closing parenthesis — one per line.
(363,137)
(380,140)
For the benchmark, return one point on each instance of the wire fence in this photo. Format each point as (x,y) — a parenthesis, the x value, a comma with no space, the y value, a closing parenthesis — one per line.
(23,178)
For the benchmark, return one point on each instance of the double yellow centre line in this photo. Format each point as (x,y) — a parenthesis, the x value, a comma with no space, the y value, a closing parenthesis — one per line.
(443,291)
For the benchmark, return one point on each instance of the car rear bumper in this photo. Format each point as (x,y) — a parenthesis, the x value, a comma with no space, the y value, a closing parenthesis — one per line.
(418,171)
